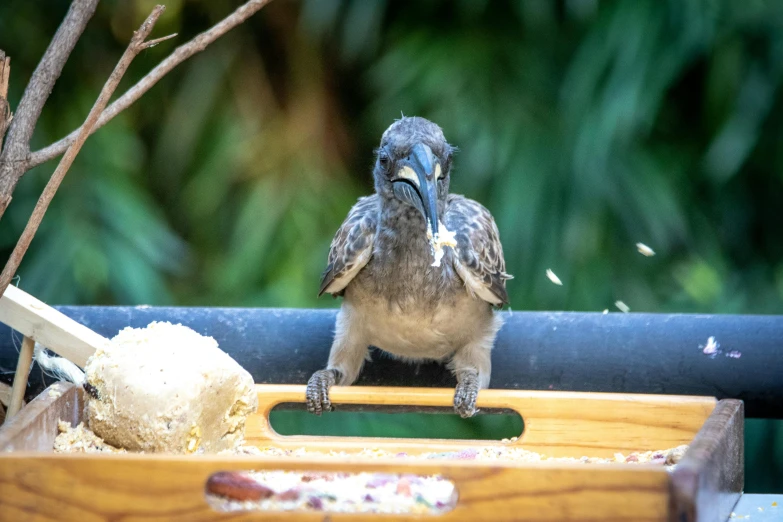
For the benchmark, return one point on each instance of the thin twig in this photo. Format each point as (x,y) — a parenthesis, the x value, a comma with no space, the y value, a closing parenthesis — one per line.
(13,159)
(182,53)
(156,41)
(136,45)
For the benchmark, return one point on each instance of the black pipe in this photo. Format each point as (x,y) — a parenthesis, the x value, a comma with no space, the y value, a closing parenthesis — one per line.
(616,352)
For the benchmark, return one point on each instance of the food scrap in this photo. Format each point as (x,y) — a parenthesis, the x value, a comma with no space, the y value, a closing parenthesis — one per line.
(330,492)
(552,277)
(166,388)
(622,306)
(444,238)
(81,439)
(645,250)
(711,348)
(668,458)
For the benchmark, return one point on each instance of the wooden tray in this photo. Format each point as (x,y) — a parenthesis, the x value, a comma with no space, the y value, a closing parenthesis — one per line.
(38,484)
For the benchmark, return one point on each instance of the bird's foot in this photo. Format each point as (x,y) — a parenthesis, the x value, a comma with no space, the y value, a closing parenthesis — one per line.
(317,395)
(466,393)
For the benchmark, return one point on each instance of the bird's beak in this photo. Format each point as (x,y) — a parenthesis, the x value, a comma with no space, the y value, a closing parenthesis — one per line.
(416,182)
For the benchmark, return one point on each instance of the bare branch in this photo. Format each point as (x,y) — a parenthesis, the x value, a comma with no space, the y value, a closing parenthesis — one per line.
(5,106)
(13,160)
(136,45)
(180,54)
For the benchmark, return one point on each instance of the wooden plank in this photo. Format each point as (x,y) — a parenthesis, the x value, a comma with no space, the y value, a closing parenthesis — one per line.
(5,400)
(51,328)
(561,424)
(146,487)
(5,394)
(35,427)
(590,352)
(20,377)
(709,480)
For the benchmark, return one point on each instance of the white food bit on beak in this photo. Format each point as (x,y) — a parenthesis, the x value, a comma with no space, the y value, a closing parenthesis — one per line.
(444,238)
(622,306)
(645,250)
(552,277)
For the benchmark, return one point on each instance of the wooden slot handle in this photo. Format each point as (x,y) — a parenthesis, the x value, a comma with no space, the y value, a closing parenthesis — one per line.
(557,423)
(261,432)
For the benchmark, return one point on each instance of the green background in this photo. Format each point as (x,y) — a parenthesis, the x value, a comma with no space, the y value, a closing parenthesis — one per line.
(584,126)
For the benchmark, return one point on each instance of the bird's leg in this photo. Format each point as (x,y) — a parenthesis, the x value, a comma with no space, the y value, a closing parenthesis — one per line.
(318,390)
(472,366)
(466,393)
(345,362)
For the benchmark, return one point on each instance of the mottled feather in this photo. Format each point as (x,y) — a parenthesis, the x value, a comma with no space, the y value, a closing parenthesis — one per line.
(352,246)
(478,258)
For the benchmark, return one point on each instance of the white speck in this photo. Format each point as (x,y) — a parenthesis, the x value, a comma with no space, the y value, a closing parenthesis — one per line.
(712,346)
(622,306)
(606,311)
(734,354)
(645,250)
(552,277)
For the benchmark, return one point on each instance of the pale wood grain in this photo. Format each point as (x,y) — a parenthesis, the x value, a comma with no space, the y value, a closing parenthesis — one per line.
(560,424)
(40,485)
(51,328)
(136,488)
(35,427)
(5,394)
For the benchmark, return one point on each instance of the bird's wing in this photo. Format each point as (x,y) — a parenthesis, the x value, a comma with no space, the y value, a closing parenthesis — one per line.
(478,258)
(352,246)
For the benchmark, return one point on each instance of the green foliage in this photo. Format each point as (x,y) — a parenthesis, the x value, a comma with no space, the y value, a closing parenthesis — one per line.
(403,425)
(584,126)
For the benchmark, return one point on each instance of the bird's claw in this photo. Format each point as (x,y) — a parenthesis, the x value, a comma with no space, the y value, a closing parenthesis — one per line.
(317,395)
(466,393)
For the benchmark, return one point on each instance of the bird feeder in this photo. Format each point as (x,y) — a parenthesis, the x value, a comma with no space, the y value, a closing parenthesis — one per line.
(616,411)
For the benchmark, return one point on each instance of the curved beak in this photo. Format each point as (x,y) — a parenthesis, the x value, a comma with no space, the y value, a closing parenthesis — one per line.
(416,182)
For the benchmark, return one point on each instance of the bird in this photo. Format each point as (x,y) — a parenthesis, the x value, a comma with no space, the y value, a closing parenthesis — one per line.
(398,295)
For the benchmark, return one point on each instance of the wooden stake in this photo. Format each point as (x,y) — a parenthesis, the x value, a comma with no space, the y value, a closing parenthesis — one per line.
(20,377)
(53,329)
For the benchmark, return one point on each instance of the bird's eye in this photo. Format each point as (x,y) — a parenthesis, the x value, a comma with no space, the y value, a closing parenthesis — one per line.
(446,166)
(383,159)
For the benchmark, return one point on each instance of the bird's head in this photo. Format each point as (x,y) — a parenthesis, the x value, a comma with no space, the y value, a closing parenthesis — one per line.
(413,165)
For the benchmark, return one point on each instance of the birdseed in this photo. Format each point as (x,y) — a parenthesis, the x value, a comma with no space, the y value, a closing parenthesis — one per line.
(333,492)
(622,306)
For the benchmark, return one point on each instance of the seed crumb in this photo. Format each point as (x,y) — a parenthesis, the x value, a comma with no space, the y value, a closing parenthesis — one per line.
(552,277)
(645,250)
(622,307)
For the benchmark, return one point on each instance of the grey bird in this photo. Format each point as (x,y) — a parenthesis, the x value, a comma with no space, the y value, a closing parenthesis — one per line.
(381,262)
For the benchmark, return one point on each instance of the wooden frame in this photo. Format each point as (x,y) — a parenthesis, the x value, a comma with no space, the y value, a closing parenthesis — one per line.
(705,486)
